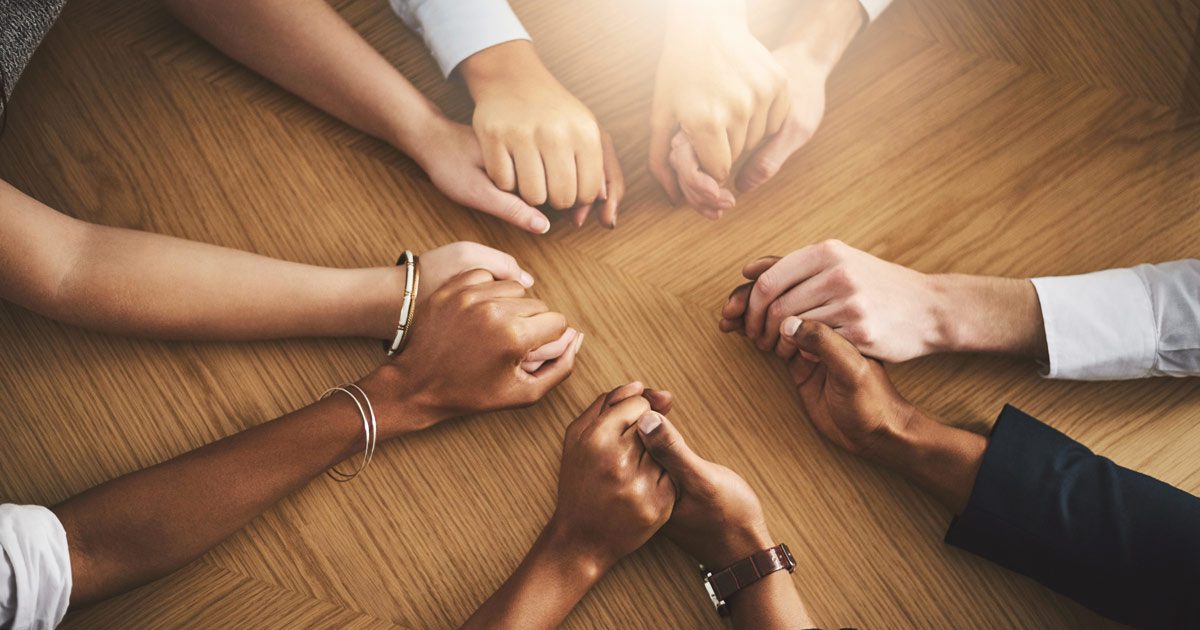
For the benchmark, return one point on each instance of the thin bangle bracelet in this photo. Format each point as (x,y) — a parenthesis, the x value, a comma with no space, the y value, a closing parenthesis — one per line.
(374,426)
(333,471)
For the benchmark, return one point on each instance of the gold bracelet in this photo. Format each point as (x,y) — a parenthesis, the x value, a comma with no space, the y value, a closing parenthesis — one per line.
(409,303)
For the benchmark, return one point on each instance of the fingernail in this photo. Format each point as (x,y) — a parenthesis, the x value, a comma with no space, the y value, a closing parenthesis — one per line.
(526,280)
(649,422)
(578,342)
(791,325)
(540,224)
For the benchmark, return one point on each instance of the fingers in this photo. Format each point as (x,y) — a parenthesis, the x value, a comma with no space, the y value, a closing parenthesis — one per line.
(624,392)
(839,357)
(712,149)
(561,178)
(800,368)
(756,267)
(620,416)
(803,297)
(554,372)
(505,206)
(580,213)
(699,188)
(791,270)
(739,298)
(589,169)
(756,129)
(531,174)
(666,445)
(777,115)
(767,159)
(553,349)
(661,128)
(499,165)
(660,400)
(538,330)
(501,265)
(499,289)
(614,183)
(470,278)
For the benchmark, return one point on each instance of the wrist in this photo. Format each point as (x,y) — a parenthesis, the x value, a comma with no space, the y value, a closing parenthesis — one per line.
(578,562)
(399,408)
(823,30)
(505,67)
(738,542)
(986,314)
(410,129)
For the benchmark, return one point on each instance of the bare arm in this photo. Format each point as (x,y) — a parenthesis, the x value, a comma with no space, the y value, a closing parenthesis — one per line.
(461,360)
(138,283)
(309,50)
(146,524)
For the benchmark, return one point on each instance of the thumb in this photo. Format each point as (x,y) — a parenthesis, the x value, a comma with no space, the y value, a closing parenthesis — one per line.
(766,161)
(841,359)
(507,207)
(665,444)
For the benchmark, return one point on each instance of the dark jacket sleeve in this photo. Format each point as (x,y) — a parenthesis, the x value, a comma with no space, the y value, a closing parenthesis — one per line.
(1119,542)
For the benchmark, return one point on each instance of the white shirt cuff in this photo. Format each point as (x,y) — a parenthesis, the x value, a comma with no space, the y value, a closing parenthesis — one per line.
(1099,326)
(874,7)
(456,29)
(35,568)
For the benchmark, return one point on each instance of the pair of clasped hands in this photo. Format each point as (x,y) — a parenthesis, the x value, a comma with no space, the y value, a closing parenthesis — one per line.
(726,114)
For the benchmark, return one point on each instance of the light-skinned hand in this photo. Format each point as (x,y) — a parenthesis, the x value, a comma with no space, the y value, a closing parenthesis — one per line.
(718,84)
(888,311)
(537,138)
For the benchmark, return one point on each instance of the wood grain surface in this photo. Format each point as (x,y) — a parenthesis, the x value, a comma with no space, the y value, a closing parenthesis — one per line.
(982,136)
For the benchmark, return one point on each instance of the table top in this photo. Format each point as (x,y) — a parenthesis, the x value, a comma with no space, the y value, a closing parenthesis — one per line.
(970,136)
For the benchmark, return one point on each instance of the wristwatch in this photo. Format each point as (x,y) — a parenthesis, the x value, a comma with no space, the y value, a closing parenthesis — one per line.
(722,584)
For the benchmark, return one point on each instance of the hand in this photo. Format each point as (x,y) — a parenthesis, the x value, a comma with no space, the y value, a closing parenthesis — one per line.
(717,518)
(465,354)
(806,90)
(538,138)
(718,84)
(890,312)
(450,155)
(846,395)
(611,497)
(440,264)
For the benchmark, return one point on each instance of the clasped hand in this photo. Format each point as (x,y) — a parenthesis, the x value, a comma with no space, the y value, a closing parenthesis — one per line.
(627,471)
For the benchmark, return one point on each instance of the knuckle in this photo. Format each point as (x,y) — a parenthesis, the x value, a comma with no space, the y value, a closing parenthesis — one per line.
(776,310)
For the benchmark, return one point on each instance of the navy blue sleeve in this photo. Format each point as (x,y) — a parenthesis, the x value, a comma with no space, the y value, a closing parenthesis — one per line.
(1119,542)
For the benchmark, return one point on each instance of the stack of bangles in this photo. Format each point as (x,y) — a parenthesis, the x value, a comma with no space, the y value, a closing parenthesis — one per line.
(369,428)
(412,280)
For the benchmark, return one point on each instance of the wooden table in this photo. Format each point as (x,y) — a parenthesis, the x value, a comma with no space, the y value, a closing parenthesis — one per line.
(981,136)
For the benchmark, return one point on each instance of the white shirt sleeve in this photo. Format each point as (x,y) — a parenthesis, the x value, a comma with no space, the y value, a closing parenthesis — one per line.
(456,29)
(35,568)
(1123,323)
(874,7)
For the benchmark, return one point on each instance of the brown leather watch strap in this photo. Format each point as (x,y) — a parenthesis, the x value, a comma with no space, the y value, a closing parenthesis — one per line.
(724,583)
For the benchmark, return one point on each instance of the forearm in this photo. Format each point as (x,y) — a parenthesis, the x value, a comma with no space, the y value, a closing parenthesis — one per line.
(944,460)
(821,31)
(146,524)
(309,50)
(544,589)
(139,283)
(772,603)
(506,66)
(986,314)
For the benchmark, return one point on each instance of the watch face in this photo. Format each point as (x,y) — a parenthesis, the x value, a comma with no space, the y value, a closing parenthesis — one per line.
(787,554)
